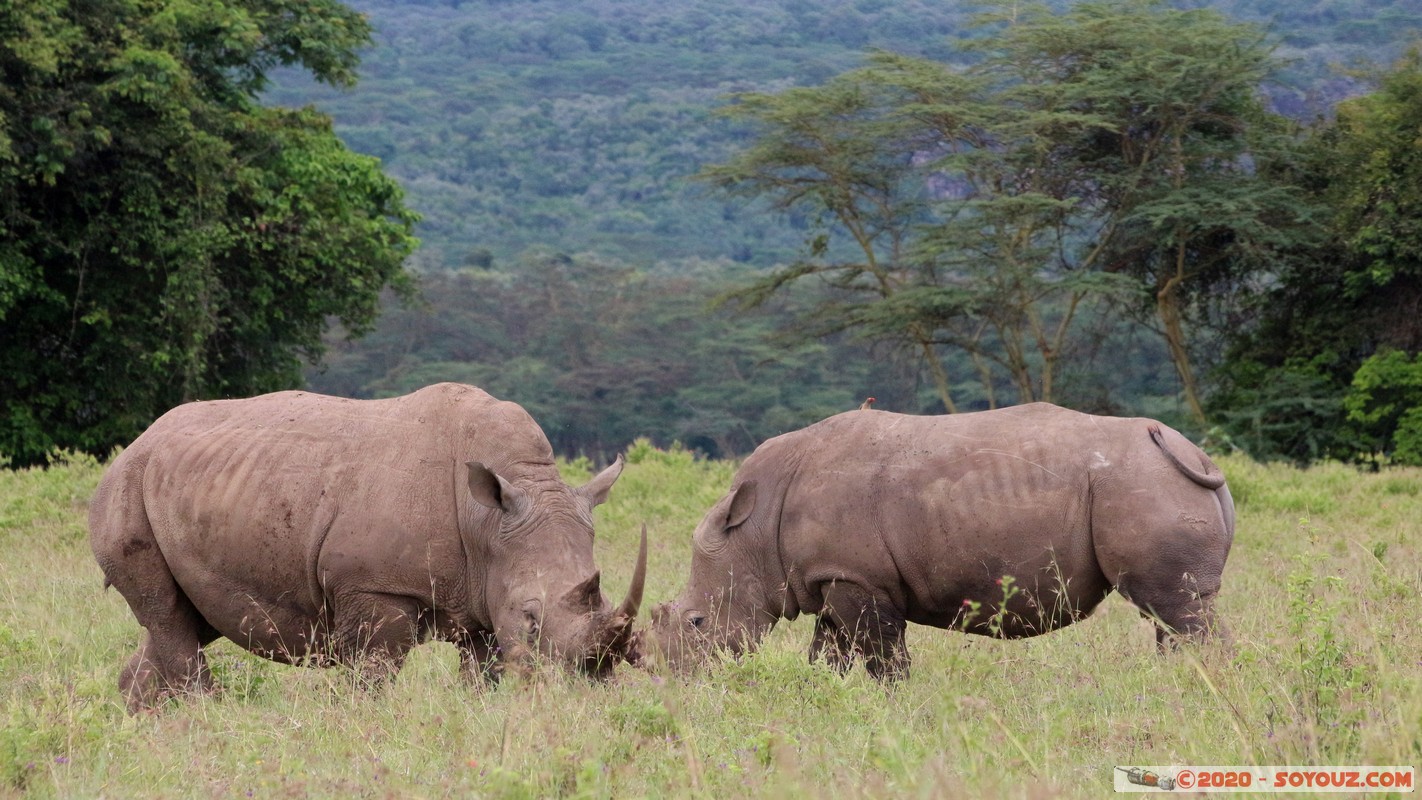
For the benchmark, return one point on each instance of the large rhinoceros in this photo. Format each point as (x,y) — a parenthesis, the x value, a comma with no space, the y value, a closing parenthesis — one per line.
(1006,523)
(313,529)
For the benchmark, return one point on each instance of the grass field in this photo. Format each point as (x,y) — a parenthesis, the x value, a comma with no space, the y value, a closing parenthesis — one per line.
(1321,593)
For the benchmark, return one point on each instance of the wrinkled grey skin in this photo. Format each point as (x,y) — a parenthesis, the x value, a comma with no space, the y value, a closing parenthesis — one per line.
(312,529)
(871,520)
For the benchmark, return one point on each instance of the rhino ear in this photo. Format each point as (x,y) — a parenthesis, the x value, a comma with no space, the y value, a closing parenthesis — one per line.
(742,504)
(595,491)
(488,489)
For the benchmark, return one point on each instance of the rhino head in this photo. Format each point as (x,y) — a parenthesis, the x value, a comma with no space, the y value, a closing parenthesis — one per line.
(724,605)
(542,590)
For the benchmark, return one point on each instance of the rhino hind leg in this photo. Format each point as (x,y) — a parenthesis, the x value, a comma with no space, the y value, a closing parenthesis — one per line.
(1178,597)
(871,625)
(153,675)
(1167,557)
(139,682)
(1192,620)
(170,660)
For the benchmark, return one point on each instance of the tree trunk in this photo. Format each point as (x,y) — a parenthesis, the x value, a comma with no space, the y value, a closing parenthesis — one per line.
(1015,359)
(985,375)
(1052,349)
(940,375)
(1167,305)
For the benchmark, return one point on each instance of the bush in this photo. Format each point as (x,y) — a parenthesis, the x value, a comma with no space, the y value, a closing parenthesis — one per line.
(1385,403)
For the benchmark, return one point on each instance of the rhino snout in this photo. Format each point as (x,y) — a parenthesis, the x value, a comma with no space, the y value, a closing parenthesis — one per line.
(609,634)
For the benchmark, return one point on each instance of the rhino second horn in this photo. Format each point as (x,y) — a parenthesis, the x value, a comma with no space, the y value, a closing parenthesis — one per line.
(639,579)
(587,594)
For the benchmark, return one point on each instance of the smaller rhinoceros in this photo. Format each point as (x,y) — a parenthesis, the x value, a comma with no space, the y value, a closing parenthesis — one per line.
(312,529)
(1006,523)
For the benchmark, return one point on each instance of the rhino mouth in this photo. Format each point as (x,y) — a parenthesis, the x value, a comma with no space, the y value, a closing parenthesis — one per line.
(601,666)
(616,641)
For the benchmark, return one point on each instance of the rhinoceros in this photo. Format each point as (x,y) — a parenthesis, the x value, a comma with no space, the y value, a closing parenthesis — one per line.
(317,530)
(1007,523)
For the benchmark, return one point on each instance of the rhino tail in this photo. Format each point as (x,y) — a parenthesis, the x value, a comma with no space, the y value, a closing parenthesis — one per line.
(1211,478)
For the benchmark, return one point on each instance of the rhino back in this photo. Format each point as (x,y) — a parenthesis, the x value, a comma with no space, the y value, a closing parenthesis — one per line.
(935,510)
(265,507)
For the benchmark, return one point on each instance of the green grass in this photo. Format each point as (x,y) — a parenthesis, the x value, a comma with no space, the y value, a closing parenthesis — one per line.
(1321,593)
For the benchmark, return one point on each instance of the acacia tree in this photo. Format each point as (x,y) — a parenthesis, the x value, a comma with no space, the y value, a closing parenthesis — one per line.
(163,237)
(870,153)
(836,153)
(1168,160)
(1092,155)
(1006,214)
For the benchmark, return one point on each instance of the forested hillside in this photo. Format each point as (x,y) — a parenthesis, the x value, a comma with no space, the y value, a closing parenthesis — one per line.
(716,221)
(576,125)
(572,258)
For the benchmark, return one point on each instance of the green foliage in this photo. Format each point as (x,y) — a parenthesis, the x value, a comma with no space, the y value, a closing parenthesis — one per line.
(1347,307)
(1361,288)
(642,451)
(1332,687)
(1385,401)
(162,237)
(602,353)
(1295,412)
(521,124)
(1376,180)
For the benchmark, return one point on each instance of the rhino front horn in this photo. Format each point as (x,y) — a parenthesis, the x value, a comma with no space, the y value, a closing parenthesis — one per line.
(639,579)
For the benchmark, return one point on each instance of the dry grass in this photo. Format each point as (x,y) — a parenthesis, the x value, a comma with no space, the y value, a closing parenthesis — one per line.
(1321,592)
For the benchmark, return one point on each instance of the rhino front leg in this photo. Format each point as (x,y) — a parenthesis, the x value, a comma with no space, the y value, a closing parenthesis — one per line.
(873,625)
(374,633)
(479,657)
(833,644)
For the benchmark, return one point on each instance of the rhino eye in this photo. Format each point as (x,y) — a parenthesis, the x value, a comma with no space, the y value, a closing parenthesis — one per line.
(696,620)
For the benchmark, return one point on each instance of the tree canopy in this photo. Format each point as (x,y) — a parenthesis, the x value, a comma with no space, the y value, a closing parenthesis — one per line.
(1331,334)
(1103,153)
(1083,202)
(163,237)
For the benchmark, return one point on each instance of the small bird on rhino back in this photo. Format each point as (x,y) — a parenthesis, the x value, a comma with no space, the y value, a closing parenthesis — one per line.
(318,530)
(1005,523)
